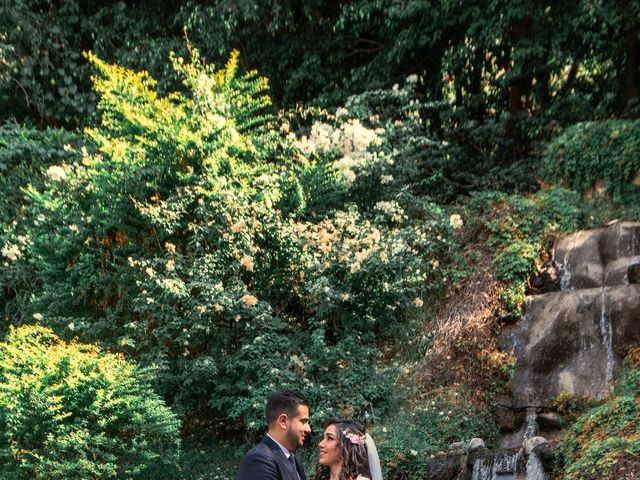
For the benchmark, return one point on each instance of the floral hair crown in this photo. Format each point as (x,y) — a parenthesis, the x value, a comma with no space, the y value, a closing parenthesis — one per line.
(355,438)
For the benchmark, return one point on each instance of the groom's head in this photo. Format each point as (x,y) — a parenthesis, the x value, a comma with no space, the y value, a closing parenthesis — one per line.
(287,415)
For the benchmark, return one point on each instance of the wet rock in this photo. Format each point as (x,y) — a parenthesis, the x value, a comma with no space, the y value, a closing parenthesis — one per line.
(509,419)
(572,341)
(620,239)
(617,272)
(593,258)
(532,443)
(444,468)
(457,446)
(550,421)
(623,308)
(546,452)
(633,273)
(579,260)
(475,444)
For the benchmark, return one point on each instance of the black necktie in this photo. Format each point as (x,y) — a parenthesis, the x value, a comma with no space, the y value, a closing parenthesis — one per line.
(292,459)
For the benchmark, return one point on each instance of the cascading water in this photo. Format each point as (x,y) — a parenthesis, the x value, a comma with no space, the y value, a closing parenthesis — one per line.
(532,427)
(483,469)
(564,270)
(535,470)
(502,465)
(565,278)
(606,331)
(564,343)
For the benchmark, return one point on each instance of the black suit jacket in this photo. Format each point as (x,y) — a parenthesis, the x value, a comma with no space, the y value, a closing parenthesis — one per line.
(267,461)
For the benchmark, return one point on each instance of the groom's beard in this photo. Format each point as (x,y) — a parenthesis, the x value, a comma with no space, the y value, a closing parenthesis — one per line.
(293,438)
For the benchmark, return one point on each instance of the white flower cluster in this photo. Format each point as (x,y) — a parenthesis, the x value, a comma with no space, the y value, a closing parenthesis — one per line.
(56,173)
(351,140)
(174,286)
(11,252)
(456,221)
(391,209)
(384,179)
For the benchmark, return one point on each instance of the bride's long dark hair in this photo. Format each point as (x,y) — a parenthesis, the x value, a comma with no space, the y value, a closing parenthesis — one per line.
(353,450)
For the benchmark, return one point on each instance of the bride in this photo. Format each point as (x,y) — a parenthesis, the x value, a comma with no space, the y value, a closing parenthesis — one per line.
(347,453)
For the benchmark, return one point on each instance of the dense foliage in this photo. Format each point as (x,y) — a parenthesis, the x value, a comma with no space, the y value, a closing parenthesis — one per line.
(596,158)
(70,411)
(603,442)
(182,240)
(520,230)
(24,154)
(363,248)
(414,438)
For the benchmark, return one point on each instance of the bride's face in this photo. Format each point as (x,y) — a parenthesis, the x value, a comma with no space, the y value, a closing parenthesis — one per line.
(330,447)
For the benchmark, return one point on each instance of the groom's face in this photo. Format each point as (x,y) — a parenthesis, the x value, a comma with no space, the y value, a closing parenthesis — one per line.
(299,427)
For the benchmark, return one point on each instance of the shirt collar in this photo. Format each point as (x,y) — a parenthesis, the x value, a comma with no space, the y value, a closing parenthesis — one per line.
(286,451)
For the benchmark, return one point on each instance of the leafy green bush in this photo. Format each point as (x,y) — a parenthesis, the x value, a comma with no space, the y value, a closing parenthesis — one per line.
(408,442)
(212,458)
(520,229)
(69,411)
(429,149)
(25,155)
(606,434)
(592,154)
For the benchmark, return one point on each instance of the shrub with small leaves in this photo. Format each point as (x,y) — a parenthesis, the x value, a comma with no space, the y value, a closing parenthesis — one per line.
(603,442)
(520,229)
(601,155)
(409,442)
(70,411)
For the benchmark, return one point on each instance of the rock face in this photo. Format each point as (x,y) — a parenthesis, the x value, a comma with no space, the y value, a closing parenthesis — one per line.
(573,340)
(568,340)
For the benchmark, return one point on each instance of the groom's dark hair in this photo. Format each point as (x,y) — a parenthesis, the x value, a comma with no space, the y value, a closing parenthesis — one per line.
(286,402)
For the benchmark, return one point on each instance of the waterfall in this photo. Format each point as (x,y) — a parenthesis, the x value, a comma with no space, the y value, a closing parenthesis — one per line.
(563,268)
(502,465)
(482,469)
(605,330)
(532,427)
(565,279)
(535,470)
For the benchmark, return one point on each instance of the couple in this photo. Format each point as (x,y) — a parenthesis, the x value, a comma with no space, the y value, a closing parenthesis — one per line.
(346,452)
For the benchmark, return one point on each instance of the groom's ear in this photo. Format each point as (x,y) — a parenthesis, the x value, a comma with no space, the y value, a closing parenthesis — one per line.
(282,421)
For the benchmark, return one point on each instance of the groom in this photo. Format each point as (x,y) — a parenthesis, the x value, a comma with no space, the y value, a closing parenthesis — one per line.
(272,459)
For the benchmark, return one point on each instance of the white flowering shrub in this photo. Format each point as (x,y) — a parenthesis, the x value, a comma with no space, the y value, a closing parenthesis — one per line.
(348,141)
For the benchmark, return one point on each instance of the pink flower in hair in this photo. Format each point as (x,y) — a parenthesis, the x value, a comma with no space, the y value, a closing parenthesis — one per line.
(355,438)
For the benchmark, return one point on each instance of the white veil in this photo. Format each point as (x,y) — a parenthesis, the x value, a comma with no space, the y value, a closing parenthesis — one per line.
(374,460)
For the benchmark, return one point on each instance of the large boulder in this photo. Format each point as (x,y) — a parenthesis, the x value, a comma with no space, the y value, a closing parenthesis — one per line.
(622,271)
(546,452)
(579,259)
(573,340)
(593,258)
(620,239)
